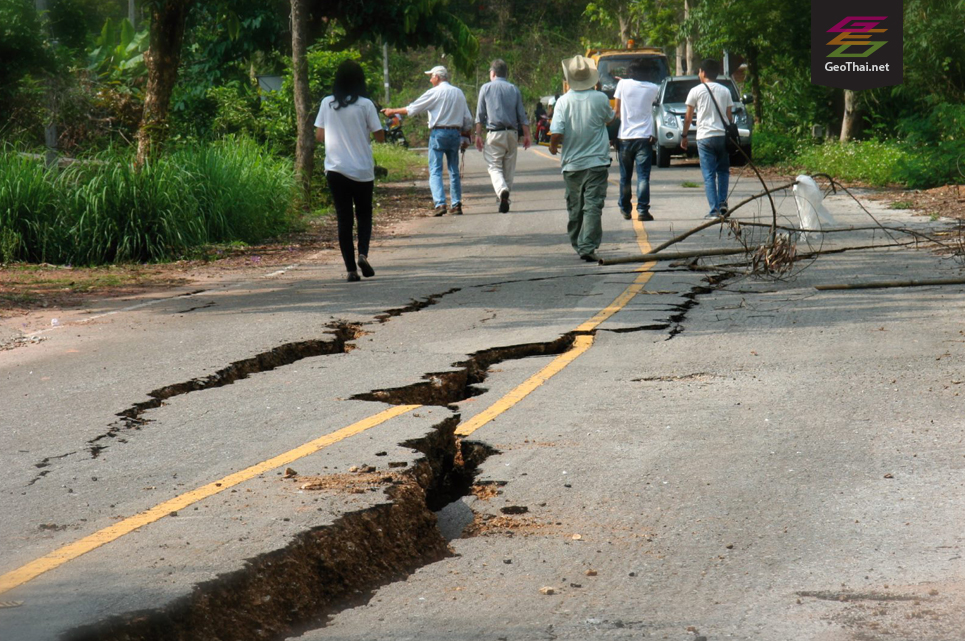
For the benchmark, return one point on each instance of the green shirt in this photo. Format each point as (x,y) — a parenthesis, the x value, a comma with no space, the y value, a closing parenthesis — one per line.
(581,116)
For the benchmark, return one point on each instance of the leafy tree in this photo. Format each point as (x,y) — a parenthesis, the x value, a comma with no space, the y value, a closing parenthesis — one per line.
(403,24)
(758,30)
(22,47)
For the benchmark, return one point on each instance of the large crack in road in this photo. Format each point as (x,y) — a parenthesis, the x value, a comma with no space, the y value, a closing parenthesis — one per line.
(323,570)
(327,569)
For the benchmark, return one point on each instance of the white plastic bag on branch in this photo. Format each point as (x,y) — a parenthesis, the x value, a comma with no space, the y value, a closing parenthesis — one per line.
(810,205)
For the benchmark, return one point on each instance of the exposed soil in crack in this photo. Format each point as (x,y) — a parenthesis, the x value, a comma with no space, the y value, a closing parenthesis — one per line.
(323,570)
(445,388)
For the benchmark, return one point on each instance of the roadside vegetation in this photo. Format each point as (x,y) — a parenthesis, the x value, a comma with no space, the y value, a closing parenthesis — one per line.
(226,161)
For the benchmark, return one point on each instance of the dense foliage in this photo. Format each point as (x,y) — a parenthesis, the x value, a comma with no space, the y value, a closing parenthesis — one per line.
(82,66)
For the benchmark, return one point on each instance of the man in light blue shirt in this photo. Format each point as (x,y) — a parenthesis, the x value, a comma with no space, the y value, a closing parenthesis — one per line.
(579,125)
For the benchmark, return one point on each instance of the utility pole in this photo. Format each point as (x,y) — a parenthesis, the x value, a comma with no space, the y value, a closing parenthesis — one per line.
(50,130)
(385,71)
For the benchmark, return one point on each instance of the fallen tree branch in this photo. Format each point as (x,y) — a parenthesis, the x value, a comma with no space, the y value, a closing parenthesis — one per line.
(836,230)
(711,223)
(652,257)
(892,283)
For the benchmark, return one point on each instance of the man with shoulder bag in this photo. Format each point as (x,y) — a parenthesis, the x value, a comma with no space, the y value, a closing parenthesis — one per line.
(716,134)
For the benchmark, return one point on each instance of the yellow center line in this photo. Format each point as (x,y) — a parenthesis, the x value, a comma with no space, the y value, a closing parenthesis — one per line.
(82,546)
(581,344)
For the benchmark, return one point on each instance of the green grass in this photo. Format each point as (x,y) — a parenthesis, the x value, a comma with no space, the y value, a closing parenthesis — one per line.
(104,210)
(689,184)
(401,163)
(901,204)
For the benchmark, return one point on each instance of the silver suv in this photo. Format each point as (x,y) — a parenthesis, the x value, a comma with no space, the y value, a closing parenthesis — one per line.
(670,109)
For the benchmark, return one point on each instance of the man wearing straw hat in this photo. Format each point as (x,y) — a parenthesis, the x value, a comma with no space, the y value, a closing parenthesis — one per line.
(579,126)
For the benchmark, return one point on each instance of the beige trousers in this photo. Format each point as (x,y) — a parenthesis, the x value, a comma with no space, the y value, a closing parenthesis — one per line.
(500,155)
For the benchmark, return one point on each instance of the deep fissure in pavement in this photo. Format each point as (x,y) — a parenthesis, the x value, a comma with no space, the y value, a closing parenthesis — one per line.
(323,570)
(445,388)
(131,418)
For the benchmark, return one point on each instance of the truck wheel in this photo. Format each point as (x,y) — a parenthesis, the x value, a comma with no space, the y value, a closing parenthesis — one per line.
(663,157)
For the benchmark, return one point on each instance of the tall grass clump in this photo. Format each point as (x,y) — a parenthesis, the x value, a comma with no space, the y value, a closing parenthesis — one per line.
(104,209)
(244,193)
(30,225)
(120,213)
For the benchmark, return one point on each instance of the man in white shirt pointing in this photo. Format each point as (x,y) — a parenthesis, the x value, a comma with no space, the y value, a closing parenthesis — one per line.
(449,120)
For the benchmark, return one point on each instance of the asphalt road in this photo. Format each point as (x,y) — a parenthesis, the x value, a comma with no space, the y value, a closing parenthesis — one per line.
(620,452)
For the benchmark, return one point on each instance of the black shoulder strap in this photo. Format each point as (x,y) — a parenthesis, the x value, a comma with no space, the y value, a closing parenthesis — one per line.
(716,106)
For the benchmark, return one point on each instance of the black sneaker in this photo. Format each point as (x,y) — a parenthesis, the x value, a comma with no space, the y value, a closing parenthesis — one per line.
(439,211)
(626,215)
(353,277)
(367,270)
(644,216)
(456,210)
(723,209)
(590,258)
(504,201)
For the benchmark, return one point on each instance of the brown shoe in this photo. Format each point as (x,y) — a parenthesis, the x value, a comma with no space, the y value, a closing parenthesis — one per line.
(439,211)
(456,210)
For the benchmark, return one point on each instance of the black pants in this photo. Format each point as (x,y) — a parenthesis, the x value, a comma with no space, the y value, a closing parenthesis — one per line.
(345,193)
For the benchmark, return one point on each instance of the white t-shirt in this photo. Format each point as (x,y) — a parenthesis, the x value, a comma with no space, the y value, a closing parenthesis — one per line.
(709,122)
(636,105)
(348,150)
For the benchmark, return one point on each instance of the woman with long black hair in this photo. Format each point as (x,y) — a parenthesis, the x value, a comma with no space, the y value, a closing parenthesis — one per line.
(345,121)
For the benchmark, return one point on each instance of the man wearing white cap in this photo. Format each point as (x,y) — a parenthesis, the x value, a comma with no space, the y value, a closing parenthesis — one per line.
(579,125)
(449,120)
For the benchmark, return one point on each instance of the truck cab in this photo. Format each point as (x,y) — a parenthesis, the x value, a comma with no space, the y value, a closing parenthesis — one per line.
(612,65)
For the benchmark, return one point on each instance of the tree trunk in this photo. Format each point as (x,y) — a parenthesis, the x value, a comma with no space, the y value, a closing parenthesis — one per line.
(624,22)
(851,125)
(162,60)
(753,69)
(305,144)
(681,58)
(693,61)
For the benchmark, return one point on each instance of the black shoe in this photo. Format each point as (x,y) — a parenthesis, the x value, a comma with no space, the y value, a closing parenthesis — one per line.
(439,211)
(723,209)
(353,277)
(456,210)
(626,215)
(644,216)
(504,201)
(367,270)
(590,258)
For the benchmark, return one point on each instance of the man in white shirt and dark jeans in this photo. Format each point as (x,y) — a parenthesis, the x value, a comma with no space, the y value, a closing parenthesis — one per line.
(634,102)
(449,120)
(711,138)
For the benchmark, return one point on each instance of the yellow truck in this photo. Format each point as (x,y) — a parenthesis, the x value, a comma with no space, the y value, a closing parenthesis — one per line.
(612,65)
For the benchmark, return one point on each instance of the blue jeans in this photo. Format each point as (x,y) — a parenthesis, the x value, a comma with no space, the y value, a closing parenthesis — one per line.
(639,152)
(444,143)
(715,166)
